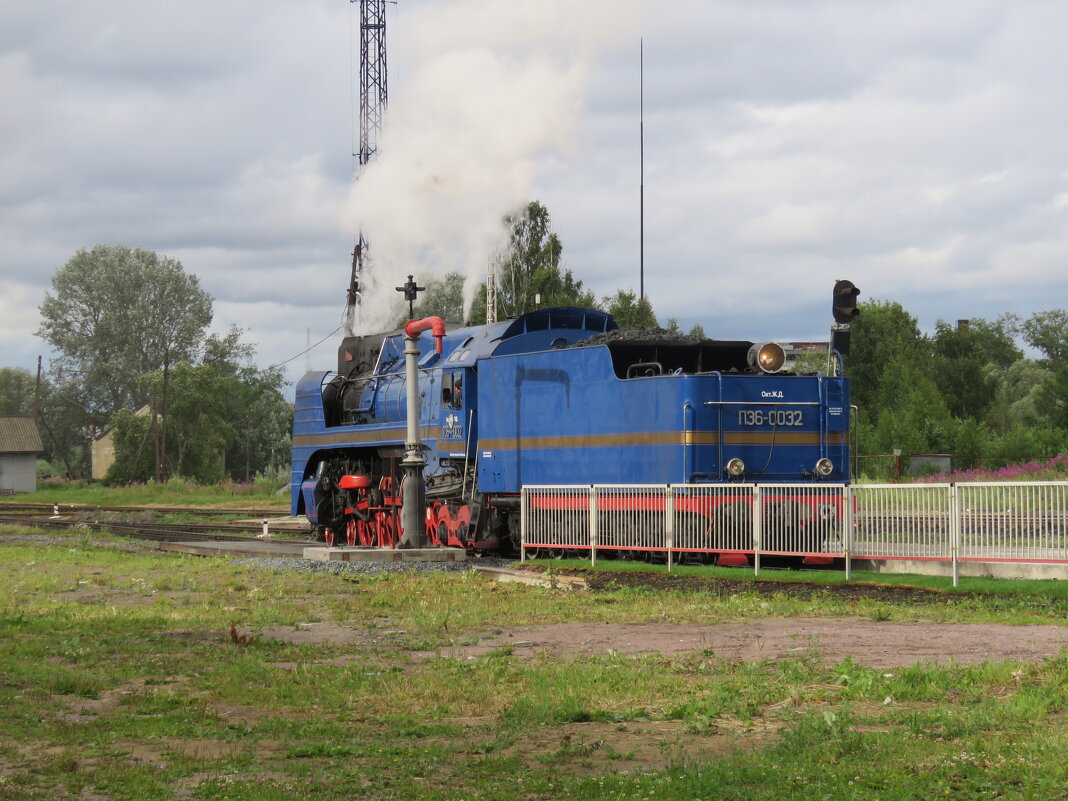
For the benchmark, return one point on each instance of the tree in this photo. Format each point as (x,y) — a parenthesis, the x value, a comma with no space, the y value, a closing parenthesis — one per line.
(912,414)
(117,314)
(968,361)
(226,419)
(17,388)
(1052,397)
(884,332)
(529,276)
(1018,401)
(1048,331)
(444,298)
(628,311)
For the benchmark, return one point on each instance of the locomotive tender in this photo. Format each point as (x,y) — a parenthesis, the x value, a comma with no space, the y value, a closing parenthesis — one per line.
(560,397)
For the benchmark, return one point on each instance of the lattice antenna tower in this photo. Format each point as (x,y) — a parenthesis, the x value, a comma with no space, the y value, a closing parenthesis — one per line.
(373,98)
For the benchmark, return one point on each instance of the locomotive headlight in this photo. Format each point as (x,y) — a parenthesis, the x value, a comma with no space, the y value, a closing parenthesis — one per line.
(824,466)
(769,357)
(735,467)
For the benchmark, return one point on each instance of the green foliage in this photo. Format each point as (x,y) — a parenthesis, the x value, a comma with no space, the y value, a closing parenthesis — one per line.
(1018,396)
(967,390)
(1022,443)
(16,392)
(629,311)
(116,313)
(1048,331)
(884,333)
(966,364)
(529,276)
(531,267)
(1052,397)
(444,298)
(912,414)
(133,439)
(224,419)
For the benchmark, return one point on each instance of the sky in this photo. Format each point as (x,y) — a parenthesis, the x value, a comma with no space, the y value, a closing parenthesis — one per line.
(915,148)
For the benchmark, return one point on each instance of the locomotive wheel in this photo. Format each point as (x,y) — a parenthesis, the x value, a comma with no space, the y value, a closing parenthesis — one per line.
(443,534)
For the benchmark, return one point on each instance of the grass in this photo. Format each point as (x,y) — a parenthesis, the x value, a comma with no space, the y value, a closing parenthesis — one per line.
(174,492)
(118,680)
(1051,589)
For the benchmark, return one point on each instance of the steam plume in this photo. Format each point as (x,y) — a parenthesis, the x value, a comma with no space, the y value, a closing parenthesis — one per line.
(497,84)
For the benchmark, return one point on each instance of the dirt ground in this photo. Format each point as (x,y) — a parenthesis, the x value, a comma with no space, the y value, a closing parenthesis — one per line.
(869,642)
(872,643)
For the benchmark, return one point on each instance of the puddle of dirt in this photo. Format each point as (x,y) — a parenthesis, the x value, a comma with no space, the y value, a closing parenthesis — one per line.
(872,643)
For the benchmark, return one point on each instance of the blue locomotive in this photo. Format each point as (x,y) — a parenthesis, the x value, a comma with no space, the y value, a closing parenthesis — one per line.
(557,396)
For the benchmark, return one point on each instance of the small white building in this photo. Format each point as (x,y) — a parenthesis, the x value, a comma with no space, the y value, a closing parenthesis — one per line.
(19,445)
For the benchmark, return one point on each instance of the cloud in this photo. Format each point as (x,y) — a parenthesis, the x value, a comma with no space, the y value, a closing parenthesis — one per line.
(911,147)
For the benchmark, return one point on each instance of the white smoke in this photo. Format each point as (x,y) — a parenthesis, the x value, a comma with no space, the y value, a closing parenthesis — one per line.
(498,84)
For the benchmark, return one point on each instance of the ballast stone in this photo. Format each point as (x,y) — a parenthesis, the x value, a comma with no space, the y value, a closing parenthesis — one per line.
(345,554)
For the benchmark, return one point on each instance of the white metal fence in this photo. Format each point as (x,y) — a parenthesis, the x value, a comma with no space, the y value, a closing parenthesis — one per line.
(983,522)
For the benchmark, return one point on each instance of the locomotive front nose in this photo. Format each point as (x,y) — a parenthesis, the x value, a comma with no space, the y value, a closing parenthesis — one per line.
(769,357)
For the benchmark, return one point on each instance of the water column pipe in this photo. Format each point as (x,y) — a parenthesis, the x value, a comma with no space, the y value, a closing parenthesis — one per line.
(413,488)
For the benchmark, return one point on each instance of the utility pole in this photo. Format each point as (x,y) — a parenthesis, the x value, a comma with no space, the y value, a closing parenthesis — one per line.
(373,97)
(641,169)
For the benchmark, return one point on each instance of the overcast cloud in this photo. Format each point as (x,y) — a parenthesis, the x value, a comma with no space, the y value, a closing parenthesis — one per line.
(917,149)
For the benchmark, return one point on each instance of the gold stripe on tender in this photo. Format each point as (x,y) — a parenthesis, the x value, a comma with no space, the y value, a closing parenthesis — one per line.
(663,438)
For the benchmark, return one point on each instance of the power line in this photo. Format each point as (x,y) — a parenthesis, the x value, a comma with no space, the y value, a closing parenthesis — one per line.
(317,344)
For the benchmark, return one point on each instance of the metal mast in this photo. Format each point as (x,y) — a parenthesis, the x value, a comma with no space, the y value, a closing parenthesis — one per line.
(373,96)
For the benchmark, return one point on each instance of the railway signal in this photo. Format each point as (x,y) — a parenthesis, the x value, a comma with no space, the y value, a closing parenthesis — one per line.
(844,306)
(844,302)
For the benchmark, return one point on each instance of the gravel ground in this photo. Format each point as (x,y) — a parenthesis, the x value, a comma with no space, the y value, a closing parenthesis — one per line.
(312,566)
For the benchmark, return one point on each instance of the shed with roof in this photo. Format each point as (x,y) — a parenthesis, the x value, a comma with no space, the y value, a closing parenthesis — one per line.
(20,443)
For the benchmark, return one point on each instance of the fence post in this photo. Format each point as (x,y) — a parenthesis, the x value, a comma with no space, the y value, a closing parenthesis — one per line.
(954,532)
(758,526)
(524,495)
(847,530)
(593,526)
(669,522)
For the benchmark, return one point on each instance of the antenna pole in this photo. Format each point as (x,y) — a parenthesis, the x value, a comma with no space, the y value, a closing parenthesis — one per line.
(641,169)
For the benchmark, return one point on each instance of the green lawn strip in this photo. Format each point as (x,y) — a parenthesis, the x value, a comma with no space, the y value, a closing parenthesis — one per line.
(119,678)
(1052,589)
(260,494)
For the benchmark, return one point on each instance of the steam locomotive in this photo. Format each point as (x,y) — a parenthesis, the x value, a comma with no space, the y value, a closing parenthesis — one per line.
(557,396)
